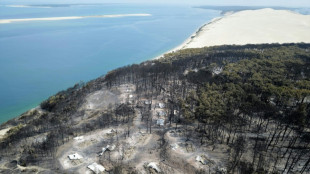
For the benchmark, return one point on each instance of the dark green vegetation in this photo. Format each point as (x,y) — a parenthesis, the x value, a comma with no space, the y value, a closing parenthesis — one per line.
(226,9)
(254,99)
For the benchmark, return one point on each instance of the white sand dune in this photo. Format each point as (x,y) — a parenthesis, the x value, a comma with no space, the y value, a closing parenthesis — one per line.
(4,21)
(251,27)
(26,6)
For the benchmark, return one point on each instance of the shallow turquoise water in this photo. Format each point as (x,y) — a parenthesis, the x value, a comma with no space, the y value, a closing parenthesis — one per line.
(40,58)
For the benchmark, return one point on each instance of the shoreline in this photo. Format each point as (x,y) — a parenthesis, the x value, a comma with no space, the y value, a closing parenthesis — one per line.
(262,26)
(197,35)
(193,35)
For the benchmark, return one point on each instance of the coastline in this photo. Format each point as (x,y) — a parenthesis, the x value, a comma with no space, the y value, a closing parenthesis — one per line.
(91,43)
(198,35)
(189,39)
(263,26)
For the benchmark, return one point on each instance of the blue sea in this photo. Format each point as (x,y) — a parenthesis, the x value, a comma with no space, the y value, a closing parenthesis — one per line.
(40,58)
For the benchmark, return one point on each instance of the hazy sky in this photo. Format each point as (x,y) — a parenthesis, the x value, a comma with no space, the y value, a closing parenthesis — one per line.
(288,3)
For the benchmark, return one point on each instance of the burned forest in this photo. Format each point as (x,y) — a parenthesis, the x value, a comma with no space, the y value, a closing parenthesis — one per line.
(224,109)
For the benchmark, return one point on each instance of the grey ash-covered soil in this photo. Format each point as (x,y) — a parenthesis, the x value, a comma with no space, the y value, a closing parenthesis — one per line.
(164,145)
(141,147)
(122,110)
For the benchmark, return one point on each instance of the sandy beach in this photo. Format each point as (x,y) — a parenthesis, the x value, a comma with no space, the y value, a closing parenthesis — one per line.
(251,27)
(4,21)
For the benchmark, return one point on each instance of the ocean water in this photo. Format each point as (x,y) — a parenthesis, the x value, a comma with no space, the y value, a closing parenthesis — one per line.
(40,58)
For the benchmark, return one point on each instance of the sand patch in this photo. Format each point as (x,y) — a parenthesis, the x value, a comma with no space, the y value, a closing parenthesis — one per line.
(3,132)
(4,21)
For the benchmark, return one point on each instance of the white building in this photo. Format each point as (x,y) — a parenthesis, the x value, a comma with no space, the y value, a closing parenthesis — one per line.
(161,105)
(108,147)
(75,156)
(147,102)
(97,168)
